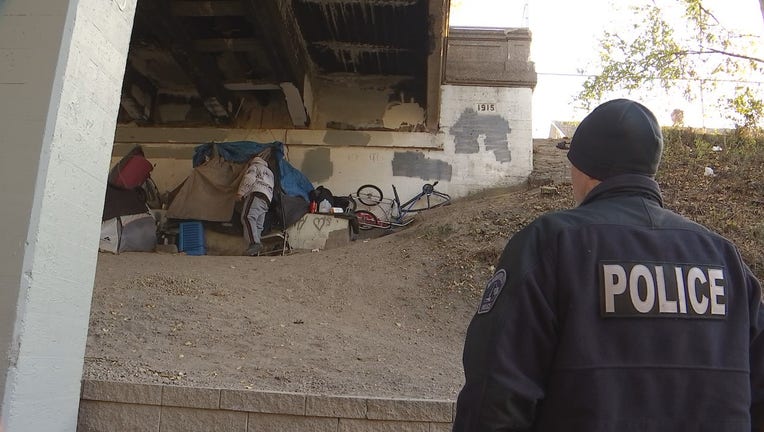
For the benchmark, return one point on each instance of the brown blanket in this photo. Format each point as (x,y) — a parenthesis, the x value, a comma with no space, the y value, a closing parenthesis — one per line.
(209,193)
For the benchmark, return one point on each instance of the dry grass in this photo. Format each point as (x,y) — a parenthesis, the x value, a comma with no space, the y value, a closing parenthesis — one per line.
(731,202)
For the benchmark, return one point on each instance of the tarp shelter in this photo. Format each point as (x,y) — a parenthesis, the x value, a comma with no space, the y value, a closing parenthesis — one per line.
(293,182)
(207,194)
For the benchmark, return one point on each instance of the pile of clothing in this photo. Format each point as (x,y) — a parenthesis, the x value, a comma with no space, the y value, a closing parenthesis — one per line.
(127,222)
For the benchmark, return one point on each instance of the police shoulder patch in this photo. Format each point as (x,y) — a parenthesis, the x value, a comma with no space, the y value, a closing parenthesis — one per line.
(492,290)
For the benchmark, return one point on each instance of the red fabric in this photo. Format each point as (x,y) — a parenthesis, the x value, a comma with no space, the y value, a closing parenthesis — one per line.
(135,171)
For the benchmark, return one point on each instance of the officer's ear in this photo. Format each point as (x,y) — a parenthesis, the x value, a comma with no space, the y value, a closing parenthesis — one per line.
(582,183)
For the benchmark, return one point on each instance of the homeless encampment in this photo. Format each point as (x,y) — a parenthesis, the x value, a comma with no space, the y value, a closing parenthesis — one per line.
(208,192)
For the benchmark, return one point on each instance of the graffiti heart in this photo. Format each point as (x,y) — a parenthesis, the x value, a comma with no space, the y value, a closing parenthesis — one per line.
(320,223)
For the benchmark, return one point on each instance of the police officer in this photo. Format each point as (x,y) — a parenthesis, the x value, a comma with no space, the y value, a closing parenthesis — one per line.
(618,315)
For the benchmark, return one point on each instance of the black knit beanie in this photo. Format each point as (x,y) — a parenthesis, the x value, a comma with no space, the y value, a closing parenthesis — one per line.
(619,137)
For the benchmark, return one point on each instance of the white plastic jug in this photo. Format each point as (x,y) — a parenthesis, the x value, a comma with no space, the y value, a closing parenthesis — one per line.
(324,206)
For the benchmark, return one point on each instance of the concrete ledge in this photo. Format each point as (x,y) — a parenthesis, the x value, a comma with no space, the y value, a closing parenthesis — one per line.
(262,402)
(410,410)
(191,397)
(106,391)
(149,137)
(334,406)
(109,406)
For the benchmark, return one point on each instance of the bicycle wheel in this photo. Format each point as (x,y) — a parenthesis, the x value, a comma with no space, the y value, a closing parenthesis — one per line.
(369,195)
(366,220)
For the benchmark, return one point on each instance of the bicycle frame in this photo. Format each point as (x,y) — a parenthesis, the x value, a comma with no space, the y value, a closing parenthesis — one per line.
(428,191)
(387,220)
(395,213)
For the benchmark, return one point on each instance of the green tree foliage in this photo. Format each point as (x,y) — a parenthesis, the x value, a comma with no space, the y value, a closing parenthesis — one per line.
(689,54)
(747,109)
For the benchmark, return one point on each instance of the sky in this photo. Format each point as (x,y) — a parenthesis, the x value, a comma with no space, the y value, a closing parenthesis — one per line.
(565,39)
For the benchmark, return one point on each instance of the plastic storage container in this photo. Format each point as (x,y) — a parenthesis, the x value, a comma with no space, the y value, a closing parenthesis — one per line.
(191,238)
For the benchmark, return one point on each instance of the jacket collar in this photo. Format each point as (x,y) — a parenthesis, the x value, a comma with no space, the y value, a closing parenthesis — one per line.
(626,185)
(258,160)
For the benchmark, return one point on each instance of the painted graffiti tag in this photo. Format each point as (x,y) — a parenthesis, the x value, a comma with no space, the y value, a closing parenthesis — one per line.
(320,222)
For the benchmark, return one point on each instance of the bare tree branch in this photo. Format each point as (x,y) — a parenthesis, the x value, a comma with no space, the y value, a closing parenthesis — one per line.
(707,12)
(721,52)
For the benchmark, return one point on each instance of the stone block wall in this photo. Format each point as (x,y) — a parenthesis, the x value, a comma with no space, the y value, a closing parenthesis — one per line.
(489,57)
(110,406)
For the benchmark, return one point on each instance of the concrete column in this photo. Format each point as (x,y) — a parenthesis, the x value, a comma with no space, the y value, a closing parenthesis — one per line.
(438,19)
(61,68)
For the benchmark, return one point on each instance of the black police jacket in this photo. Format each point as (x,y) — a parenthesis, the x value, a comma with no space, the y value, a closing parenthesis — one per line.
(617,315)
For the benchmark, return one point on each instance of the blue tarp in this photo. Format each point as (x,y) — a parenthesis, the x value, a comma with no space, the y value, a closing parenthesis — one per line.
(292,180)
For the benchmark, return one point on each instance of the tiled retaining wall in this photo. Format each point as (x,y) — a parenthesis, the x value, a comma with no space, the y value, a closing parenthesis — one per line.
(111,406)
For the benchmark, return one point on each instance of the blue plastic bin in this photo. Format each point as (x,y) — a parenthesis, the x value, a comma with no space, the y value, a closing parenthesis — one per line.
(191,238)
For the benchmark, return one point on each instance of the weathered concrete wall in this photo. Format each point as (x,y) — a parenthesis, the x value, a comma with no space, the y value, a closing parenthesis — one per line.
(370,104)
(491,148)
(474,150)
(57,129)
(171,150)
(489,57)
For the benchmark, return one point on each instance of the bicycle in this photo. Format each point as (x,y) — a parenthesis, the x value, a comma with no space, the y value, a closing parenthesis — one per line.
(395,213)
